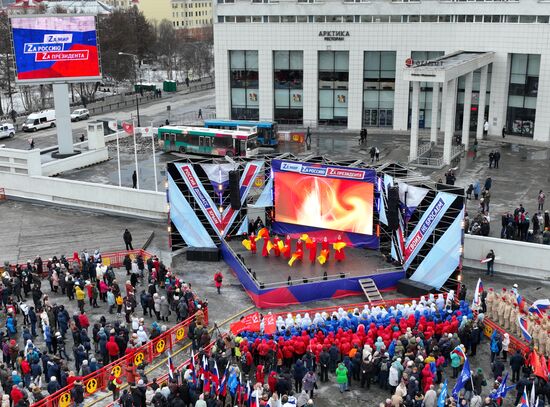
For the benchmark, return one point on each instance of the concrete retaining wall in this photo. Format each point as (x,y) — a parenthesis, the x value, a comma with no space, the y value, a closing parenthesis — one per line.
(84,195)
(81,160)
(522,259)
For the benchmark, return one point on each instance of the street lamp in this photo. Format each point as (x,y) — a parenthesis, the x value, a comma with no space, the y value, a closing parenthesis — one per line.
(136,62)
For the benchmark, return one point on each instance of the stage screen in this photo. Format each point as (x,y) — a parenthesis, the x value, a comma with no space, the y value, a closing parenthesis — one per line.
(335,198)
(55,49)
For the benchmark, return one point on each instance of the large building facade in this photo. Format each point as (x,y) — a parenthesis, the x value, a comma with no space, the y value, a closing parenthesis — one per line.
(183,14)
(343,63)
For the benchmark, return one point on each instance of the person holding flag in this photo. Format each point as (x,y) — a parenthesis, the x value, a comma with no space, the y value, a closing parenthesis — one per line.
(441,400)
(464,377)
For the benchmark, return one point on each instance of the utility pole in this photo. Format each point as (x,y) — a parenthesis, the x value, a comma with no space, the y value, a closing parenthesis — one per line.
(8,70)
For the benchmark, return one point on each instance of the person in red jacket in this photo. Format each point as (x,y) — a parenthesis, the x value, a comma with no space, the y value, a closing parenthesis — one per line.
(272,381)
(112,349)
(339,254)
(218,279)
(84,321)
(260,374)
(288,244)
(16,394)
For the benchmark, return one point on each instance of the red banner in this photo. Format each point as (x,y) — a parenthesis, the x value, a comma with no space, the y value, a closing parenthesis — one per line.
(248,323)
(270,327)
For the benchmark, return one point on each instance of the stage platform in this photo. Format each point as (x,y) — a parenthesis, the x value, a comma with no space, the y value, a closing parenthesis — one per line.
(274,271)
(269,288)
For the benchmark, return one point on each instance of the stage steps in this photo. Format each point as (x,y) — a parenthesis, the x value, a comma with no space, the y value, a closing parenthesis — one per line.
(370,289)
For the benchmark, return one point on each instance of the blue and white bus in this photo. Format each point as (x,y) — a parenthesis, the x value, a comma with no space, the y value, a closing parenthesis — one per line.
(267,131)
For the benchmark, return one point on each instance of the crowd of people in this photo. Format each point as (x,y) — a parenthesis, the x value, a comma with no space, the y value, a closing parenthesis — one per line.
(46,347)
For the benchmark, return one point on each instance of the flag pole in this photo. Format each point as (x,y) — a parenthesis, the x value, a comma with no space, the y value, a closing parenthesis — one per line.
(135,151)
(118,160)
(154,158)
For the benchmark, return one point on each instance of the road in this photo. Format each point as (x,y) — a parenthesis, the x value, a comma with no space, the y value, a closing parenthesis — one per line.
(183,106)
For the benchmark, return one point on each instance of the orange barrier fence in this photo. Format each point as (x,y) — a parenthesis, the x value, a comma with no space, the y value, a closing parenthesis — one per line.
(114,259)
(98,381)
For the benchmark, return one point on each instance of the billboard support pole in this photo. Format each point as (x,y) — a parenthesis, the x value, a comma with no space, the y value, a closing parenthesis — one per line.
(154,158)
(63,119)
(135,152)
(118,159)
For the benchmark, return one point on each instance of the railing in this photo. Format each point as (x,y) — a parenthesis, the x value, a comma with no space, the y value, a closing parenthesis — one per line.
(305,280)
(114,259)
(424,148)
(164,378)
(515,343)
(98,381)
(435,162)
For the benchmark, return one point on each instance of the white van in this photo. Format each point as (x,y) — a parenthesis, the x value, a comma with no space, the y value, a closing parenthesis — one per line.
(40,120)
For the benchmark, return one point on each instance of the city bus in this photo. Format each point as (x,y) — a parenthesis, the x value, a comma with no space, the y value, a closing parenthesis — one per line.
(200,140)
(267,131)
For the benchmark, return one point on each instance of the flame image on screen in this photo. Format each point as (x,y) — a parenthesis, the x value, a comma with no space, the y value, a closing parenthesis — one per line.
(326,203)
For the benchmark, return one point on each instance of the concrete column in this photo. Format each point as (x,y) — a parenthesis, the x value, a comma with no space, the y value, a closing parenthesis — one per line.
(482,98)
(265,84)
(443,110)
(449,104)
(467,109)
(435,113)
(311,87)
(413,154)
(355,89)
(63,118)
(222,77)
(500,83)
(542,118)
(401,93)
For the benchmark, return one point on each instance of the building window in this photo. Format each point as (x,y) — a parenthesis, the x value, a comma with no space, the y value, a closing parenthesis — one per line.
(522,94)
(426,90)
(288,74)
(244,85)
(378,88)
(333,87)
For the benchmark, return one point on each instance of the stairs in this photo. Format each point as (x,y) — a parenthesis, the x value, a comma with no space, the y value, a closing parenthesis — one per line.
(370,289)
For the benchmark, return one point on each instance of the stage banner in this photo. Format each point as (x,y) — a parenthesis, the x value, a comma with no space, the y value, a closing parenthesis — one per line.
(221,222)
(218,174)
(265,199)
(426,225)
(411,196)
(325,171)
(249,323)
(185,219)
(443,258)
(381,205)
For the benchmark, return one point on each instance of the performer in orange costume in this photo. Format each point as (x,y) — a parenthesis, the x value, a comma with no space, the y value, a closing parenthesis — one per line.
(339,253)
(312,251)
(276,249)
(325,246)
(253,243)
(265,253)
(299,245)
(288,244)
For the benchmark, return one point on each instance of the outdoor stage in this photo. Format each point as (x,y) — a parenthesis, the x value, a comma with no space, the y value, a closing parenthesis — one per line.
(269,288)
(275,270)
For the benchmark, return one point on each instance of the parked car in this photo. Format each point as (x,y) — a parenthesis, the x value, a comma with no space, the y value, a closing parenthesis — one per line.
(40,120)
(80,114)
(7,130)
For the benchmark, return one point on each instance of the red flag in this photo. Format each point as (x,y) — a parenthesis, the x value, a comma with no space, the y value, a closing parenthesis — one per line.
(539,366)
(248,323)
(270,327)
(128,127)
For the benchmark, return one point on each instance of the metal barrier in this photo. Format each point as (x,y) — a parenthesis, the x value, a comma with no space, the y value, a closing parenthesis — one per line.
(114,259)
(99,380)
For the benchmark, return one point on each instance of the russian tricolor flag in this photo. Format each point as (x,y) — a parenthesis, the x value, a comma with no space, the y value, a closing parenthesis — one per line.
(524,325)
(171,367)
(524,402)
(540,306)
(477,294)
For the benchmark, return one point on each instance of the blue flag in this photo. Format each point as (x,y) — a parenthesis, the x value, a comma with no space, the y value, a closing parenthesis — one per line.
(464,377)
(442,395)
(502,389)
